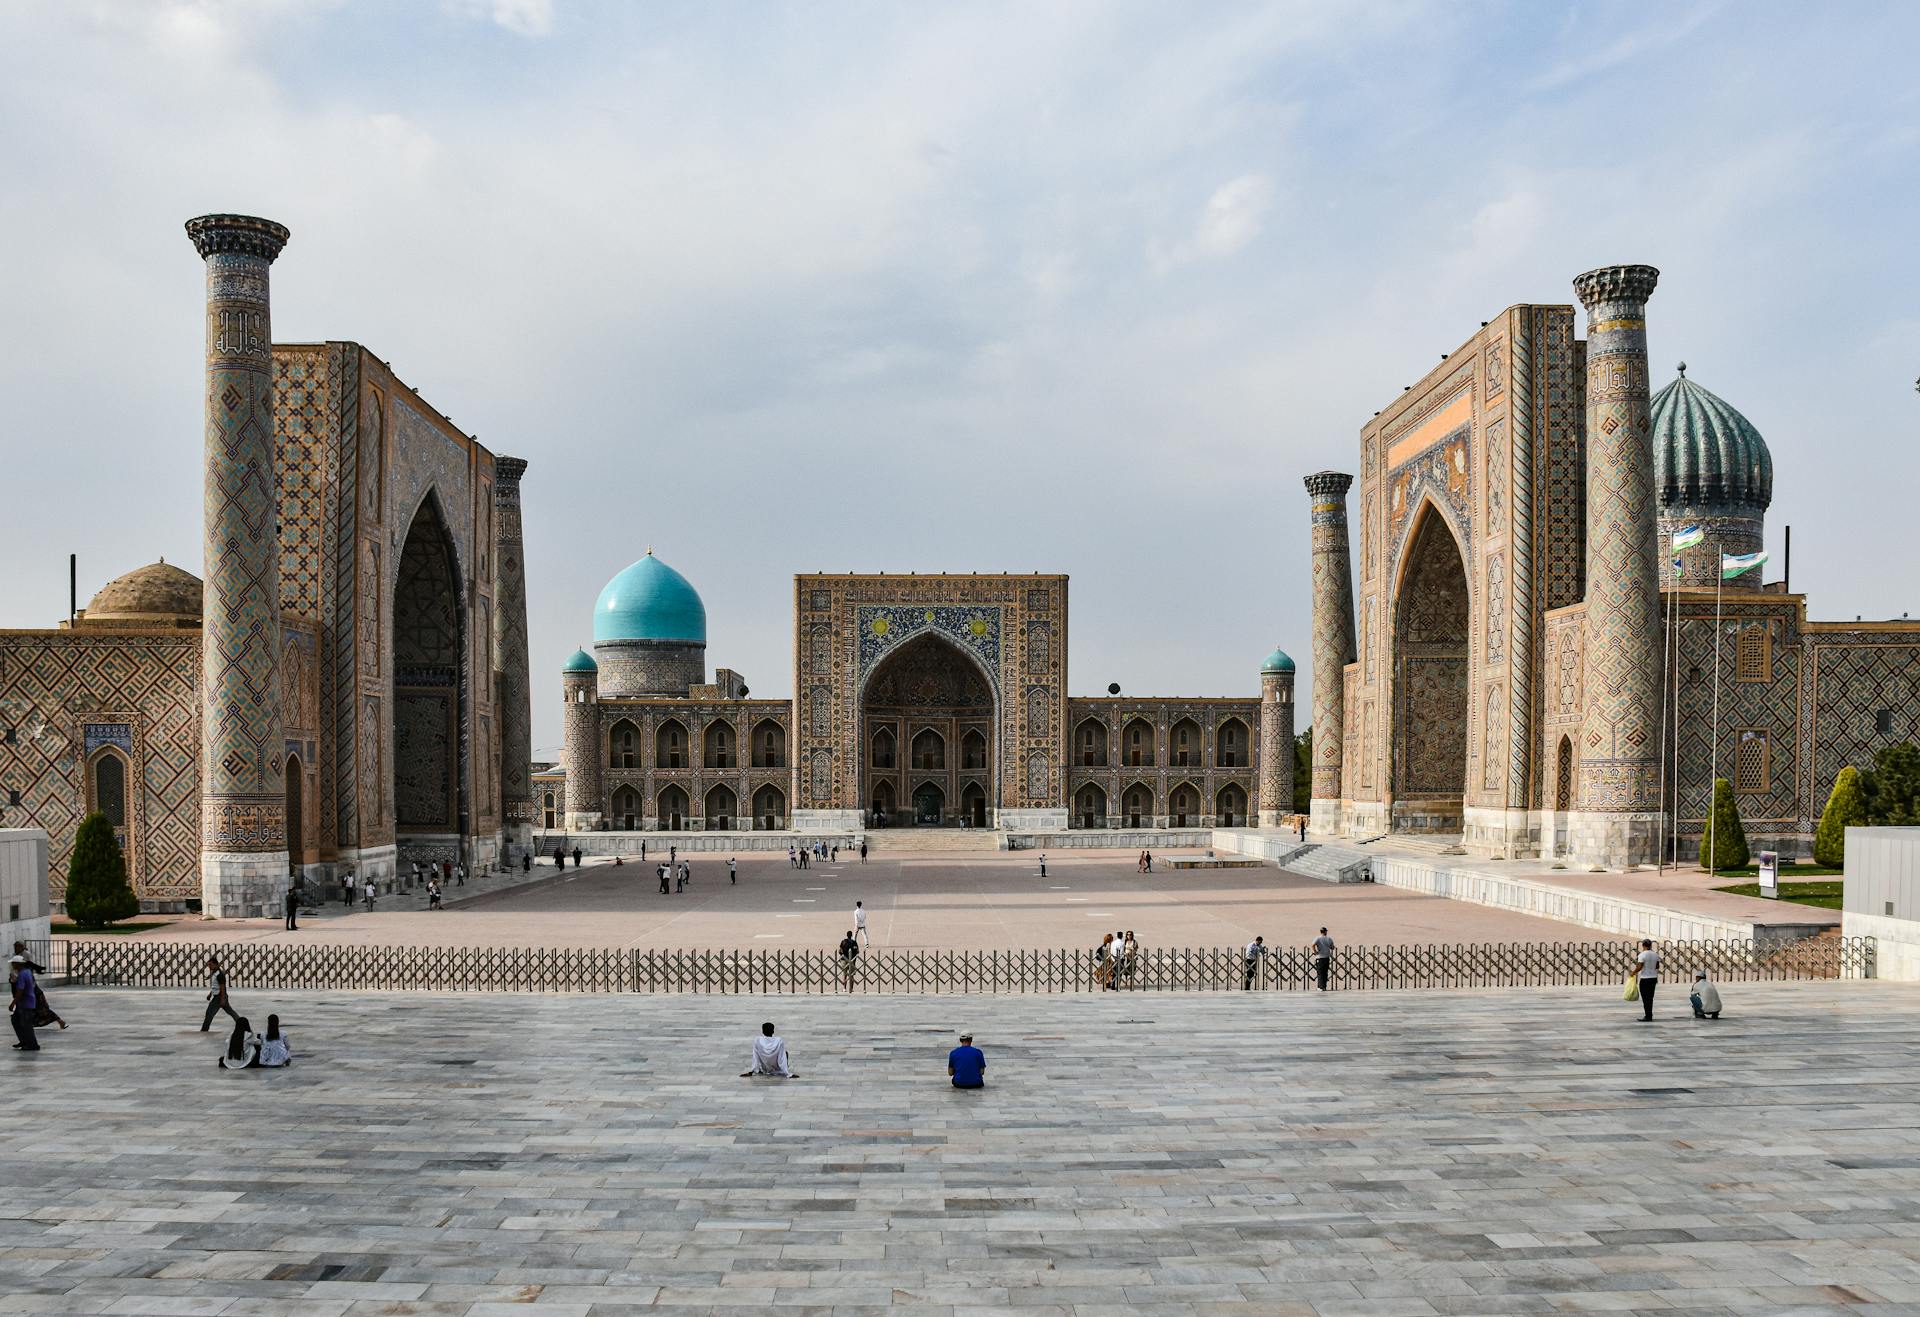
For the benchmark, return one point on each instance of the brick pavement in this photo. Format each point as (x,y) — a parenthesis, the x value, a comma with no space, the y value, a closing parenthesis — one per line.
(1520,1151)
(922,902)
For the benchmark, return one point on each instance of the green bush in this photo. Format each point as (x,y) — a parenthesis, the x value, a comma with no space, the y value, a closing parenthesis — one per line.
(97,891)
(1891,788)
(1846,808)
(1725,844)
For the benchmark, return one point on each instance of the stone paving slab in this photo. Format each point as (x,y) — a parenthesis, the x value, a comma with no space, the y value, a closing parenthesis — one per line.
(1513,1151)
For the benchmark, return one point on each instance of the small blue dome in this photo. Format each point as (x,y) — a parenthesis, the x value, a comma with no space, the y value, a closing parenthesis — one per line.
(581,662)
(650,601)
(1277,662)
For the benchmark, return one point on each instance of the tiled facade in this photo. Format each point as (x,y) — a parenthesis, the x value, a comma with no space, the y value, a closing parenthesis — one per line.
(929,700)
(366,676)
(1508,619)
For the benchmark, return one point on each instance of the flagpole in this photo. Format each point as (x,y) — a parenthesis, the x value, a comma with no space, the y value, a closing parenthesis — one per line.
(1713,834)
(1676,739)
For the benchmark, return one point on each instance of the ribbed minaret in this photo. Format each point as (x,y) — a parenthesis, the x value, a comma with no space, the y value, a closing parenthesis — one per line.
(580,685)
(515,693)
(1332,639)
(1618,754)
(1276,739)
(243,798)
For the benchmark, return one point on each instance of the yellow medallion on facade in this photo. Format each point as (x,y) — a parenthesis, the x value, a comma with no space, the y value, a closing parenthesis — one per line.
(879,626)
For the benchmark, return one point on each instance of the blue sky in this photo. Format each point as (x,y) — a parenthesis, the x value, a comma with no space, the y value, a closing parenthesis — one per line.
(1055,287)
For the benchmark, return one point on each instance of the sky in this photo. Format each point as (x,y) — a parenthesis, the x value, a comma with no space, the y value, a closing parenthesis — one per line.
(1060,287)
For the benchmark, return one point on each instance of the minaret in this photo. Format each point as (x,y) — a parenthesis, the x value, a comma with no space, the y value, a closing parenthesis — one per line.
(515,692)
(1617,799)
(243,797)
(580,685)
(1276,739)
(1332,640)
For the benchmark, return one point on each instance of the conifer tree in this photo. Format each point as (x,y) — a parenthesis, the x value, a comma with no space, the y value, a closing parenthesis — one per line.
(97,891)
(1846,808)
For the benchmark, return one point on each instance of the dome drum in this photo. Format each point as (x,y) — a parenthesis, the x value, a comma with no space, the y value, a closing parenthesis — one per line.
(1712,470)
(630,668)
(157,595)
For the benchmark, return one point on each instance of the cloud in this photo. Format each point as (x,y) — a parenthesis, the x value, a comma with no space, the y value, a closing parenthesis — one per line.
(527,18)
(1231,219)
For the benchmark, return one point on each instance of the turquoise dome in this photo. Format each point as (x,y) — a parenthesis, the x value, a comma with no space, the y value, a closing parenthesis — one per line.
(1706,455)
(650,601)
(579,662)
(1277,662)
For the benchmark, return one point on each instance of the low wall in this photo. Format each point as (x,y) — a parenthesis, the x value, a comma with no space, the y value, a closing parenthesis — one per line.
(1096,839)
(657,843)
(1612,914)
(1273,846)
(1896,944)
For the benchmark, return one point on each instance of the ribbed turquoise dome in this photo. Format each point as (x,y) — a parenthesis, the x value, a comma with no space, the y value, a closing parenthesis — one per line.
(1277,662)
(1706,455)
(579,662)
(650,601)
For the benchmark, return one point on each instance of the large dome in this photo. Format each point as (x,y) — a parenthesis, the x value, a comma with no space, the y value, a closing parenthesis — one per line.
(650,601)
(158,592)
(1706,455)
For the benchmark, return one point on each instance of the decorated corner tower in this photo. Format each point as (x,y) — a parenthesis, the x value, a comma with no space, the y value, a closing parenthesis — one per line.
(243,790)
(1276,739)
(1332,640)
(580,687)
(1616,819)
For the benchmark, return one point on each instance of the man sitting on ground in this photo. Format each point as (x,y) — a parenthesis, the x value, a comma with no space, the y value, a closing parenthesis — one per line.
(769,1055)
(967,1064)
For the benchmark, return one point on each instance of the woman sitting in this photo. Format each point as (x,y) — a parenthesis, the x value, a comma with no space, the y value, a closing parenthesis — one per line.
(243,1047)
(275,1048)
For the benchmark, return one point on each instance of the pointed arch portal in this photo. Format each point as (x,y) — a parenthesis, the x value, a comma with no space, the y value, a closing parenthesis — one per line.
(430,685)
(1430,681)
(929,697)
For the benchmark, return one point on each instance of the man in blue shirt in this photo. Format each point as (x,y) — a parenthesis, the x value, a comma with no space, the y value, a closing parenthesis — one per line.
(967,1064)
(26,1004)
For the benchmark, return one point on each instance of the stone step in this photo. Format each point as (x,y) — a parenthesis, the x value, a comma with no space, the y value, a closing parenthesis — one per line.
(1330,864)
(932,841)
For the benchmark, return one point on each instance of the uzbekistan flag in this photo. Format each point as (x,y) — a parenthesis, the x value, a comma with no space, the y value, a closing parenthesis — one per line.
(1686,539)
(1732,564)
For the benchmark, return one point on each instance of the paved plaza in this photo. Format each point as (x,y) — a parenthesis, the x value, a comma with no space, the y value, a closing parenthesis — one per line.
(1380,1153)
(920,903)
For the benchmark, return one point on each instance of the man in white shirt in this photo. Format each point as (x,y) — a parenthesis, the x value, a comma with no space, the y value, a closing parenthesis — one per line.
(1647,968)
(860,924)
(1256,953)
(769,1055)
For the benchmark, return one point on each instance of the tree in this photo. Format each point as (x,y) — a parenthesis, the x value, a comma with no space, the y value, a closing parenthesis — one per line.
(1303,772)
(1846,808)
(1725,844)
(97,891)
(1891,788)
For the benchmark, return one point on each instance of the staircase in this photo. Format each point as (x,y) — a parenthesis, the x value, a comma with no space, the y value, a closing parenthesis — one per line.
(1330,864)
(932,841)
(1424,843)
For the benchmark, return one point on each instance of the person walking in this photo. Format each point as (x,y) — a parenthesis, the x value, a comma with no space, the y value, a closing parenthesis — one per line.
(368,890)
(349,886)
(673,854)
(733,873)
(293,907)
(44,1014)
(433,894)
(576,857)
(1043,864)
(1148,857)
(1303,829)
(1322,959)
(860,922)
(1647,969)
(967,1064)
(216,994)
(863,851)
(1103,963)
(24,1006)
(1256,955)
(526,860)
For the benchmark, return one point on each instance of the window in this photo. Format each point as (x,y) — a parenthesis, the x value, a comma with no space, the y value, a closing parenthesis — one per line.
(929,750)
(1752,771)
(13,797)
(1883,722)
(623,747)
(1139,742)
(1754,655)
(670,746)
(110,788)
(1231,752)
(883,748)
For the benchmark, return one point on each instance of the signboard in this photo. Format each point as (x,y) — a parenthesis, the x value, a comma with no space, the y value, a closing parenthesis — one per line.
(1770,875)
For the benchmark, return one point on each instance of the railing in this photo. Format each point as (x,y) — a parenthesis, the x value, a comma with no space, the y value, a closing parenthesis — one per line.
(160,964)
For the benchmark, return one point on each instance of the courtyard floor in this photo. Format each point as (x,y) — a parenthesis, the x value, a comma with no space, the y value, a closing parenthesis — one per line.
(1357,1155)
(970,902)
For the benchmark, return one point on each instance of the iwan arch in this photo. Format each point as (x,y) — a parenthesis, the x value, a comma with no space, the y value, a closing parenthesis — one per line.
(1495,665)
